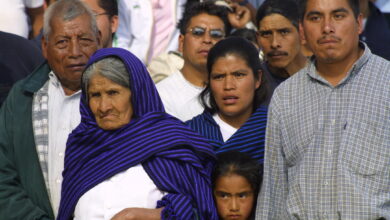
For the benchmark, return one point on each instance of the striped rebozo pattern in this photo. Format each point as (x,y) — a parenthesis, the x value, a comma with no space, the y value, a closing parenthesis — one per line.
(178,160)
(249,138)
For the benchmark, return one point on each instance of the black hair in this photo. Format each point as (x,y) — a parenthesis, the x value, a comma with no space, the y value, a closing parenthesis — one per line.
(109,6)
(208,7)
(286,8)
(246,33)
(244,49)
(354,4)
(241,164)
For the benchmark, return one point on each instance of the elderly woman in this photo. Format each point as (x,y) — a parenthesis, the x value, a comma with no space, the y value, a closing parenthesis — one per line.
(127,152)
(234,118)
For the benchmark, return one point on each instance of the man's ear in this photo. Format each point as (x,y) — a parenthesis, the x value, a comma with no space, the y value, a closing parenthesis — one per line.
(114,23)
(181,43)
(302,33)
(44,46)
(360,23)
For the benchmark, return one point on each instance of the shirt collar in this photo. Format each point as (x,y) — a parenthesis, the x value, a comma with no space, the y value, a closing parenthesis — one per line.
(53,80)
(312,72)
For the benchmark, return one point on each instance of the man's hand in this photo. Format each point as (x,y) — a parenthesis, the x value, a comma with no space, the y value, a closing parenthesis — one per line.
(239,16)
(138,214)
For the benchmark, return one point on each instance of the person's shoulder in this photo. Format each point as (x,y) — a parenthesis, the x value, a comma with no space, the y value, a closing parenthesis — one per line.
(294,82)
(171,85)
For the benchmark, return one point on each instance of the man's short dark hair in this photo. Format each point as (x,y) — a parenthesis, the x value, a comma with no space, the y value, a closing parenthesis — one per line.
(286,8)
(207,7)
(354,4)
(109,6)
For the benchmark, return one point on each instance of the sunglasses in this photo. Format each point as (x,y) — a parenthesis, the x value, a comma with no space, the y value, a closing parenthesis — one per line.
(214,33)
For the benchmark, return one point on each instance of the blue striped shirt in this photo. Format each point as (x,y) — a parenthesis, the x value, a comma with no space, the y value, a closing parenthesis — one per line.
(249,138)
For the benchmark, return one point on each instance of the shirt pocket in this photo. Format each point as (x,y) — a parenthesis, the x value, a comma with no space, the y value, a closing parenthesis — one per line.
(299,137)
(367,148)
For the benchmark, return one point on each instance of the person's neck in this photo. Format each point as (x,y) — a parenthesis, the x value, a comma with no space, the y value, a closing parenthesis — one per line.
(196,76)
(337,71)
(297,64)
(70,91)
(235,121)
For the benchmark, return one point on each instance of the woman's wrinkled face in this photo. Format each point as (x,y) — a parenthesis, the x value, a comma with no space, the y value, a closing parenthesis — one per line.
(109,102)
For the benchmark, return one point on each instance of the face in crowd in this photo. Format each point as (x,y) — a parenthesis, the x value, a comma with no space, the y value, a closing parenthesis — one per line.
(331,30)
(68,47)
(279,39)
(203,32)
(234,197)
(109,102)
(106,23)
(233,84)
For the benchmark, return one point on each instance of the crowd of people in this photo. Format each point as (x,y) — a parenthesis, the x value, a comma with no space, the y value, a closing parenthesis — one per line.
(213,109)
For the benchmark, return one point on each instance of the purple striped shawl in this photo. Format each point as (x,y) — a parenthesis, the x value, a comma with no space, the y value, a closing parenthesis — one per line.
(178,160)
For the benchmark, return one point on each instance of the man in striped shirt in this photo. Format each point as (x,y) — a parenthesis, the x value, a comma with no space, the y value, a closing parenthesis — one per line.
(328,134)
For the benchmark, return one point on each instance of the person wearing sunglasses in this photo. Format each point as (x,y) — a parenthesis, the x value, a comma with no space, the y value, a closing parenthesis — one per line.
(202,26)
(106,14)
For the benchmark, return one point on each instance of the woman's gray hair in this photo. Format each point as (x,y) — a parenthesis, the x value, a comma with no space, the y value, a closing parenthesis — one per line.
(112,68)
(67,10)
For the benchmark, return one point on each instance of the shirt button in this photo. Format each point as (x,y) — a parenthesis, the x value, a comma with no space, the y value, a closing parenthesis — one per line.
(58,181)
(326,183)
(330,152)
(61,154)
(333,122)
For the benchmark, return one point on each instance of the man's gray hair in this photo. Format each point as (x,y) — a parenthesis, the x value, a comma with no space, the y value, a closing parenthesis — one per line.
(112,68)
(67,10)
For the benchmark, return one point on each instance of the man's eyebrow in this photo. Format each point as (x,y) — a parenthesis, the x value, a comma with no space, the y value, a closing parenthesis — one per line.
(311,13)
(340,10)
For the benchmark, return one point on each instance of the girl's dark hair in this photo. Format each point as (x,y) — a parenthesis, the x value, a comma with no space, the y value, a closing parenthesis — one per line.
(241,164)
(244,49)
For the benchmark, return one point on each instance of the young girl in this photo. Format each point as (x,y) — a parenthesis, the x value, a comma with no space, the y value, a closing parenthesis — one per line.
(236,182)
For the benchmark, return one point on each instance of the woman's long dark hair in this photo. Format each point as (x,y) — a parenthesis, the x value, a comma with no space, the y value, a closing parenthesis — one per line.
(244,49)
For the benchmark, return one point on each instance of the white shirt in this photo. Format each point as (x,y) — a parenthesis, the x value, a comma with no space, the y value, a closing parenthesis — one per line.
(180,97)
(13,17)
(136,26)
(383,5)
(226,130)
(64,116)
(131,188)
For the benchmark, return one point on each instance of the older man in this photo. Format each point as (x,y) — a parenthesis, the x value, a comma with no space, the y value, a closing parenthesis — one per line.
(278,37)
(40,112)
(328,131)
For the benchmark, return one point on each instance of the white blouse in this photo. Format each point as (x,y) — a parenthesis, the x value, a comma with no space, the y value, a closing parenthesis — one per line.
(226,130)
(131,188)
